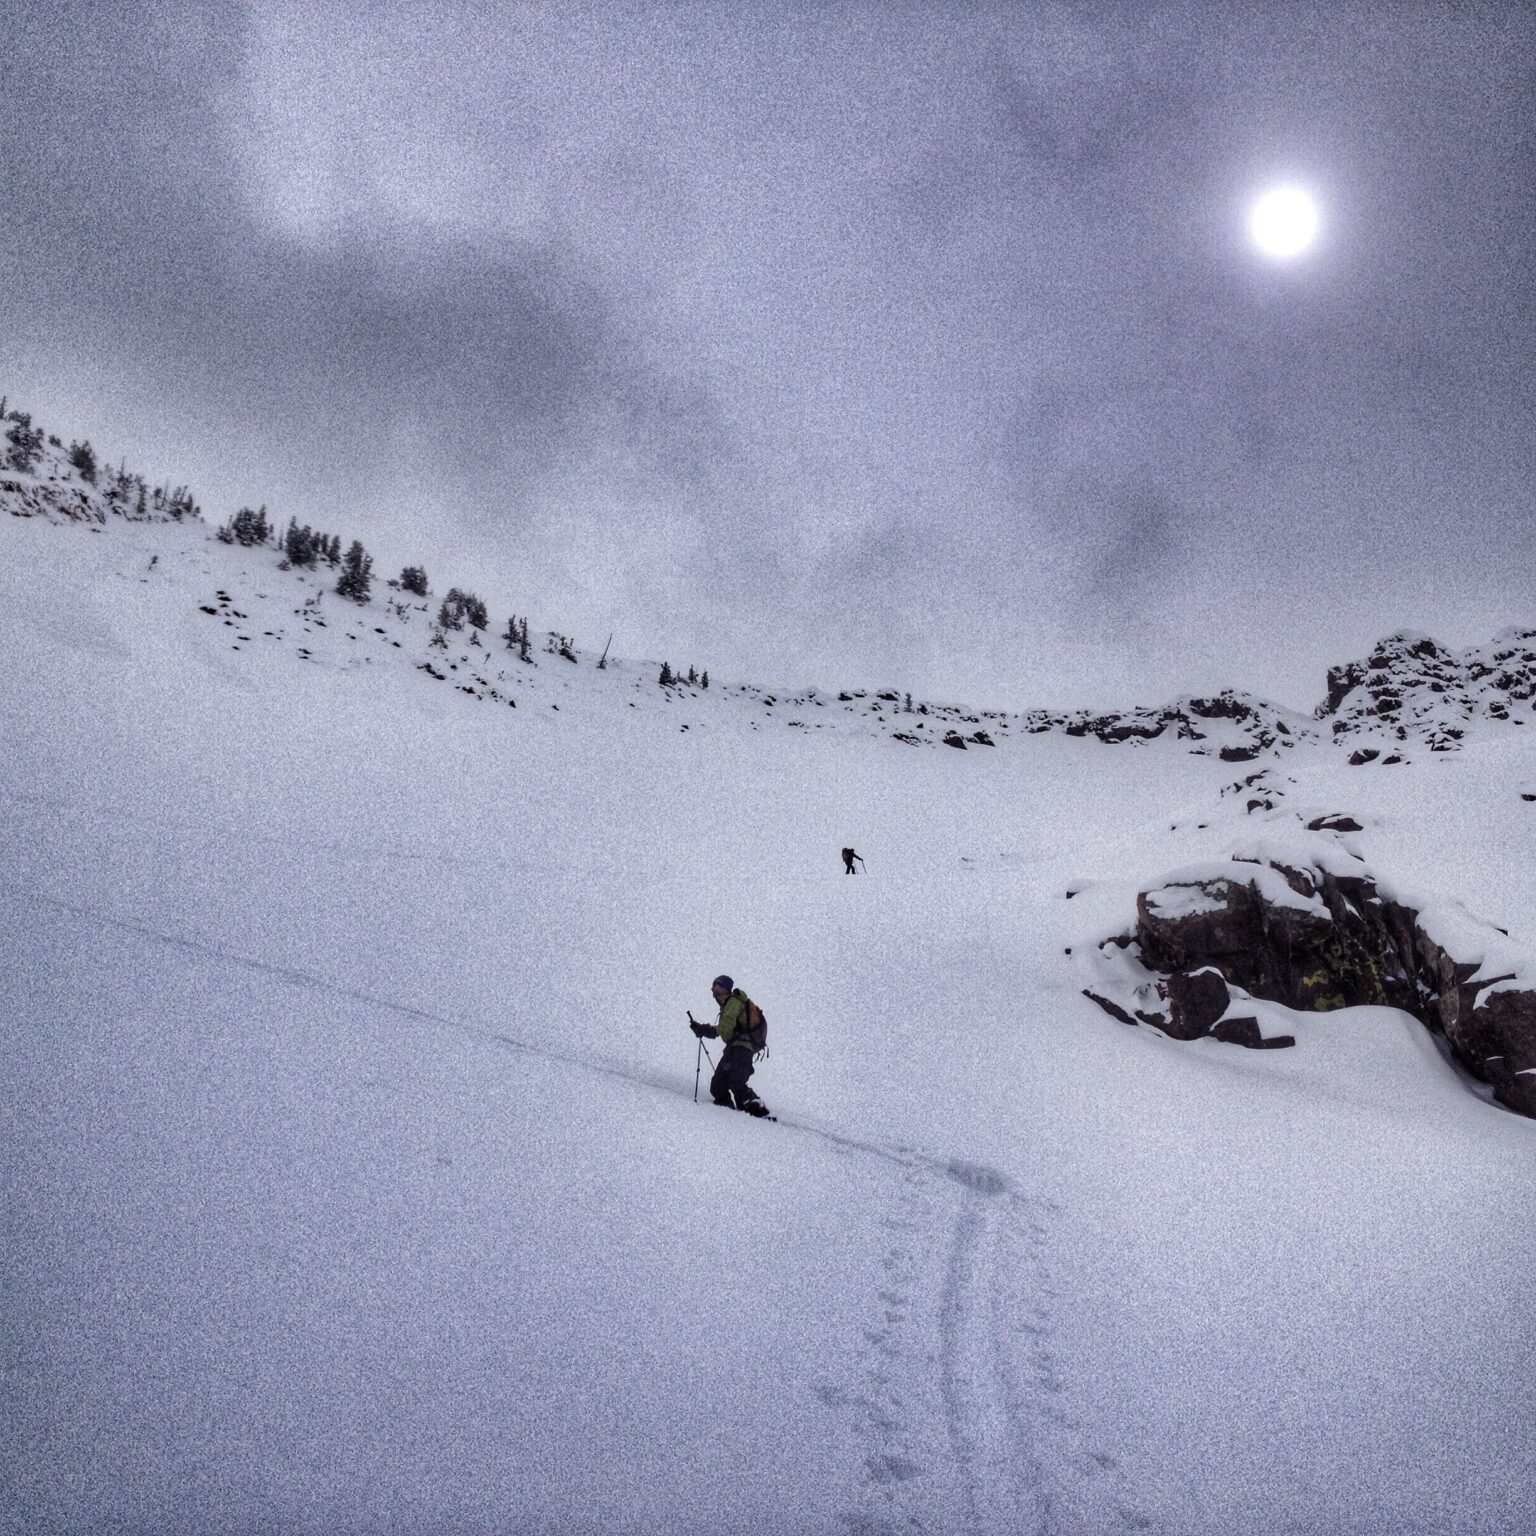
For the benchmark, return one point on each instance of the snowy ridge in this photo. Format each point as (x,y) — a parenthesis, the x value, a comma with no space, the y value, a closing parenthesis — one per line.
(39,477)
(1235,727)
(1411,691)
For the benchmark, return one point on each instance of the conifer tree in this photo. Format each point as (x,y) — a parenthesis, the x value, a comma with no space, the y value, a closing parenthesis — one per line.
(704,680)
(414,579)
(299,544)
(667,679)
(25,440)
(357,574)
(248,528)
(83,457)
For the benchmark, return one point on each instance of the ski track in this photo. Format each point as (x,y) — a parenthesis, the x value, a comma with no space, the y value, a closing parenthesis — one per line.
(961,1333)
(961,1330)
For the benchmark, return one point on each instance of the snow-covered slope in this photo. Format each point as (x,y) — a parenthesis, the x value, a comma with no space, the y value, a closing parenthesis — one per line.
(356,1183)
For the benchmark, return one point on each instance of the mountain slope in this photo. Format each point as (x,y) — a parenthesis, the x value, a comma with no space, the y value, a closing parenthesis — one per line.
(356,1182)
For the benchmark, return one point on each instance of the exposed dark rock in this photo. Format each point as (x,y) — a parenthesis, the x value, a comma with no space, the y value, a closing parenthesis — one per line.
(1114,1010)
(1245,1031)
(1333,824)
(1197,999)
(1342,681)
(1339,943)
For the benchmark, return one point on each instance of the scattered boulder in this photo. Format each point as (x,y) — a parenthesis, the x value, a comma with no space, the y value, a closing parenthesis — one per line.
(1334,824)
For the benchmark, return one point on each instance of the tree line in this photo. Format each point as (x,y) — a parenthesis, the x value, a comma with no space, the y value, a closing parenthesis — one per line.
(23,444)
(126,494)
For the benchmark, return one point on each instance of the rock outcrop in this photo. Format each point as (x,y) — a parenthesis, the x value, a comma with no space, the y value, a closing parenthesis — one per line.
(1321,934)
(1233,726)
(1412,690)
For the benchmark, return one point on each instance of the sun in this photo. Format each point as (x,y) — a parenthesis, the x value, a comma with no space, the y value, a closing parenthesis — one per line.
(1283,222)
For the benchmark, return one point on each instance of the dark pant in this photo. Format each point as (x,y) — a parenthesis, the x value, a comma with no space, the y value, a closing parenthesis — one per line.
(729,1084)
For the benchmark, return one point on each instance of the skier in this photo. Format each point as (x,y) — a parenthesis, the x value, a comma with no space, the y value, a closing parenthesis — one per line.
(848,857)
(729,1085)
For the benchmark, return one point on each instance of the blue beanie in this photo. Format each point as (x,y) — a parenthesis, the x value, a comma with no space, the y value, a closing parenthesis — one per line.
(724,981)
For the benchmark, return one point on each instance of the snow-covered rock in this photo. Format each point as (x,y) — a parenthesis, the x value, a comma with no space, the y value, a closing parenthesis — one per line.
(1306,926)
(1412,691)
(1235,727)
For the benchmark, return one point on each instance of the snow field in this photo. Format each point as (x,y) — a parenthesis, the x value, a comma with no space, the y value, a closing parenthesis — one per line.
(357,1184)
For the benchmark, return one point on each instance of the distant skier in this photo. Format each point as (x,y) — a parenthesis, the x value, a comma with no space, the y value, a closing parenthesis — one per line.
(738,1013)
(848,857)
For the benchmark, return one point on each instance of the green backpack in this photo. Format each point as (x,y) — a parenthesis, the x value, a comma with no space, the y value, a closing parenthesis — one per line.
(754,1026)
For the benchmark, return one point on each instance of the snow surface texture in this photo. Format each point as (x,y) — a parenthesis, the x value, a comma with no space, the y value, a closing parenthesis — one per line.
(355,1181)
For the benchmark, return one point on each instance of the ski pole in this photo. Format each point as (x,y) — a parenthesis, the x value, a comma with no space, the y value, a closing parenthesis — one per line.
(697,1065)
(701,1052)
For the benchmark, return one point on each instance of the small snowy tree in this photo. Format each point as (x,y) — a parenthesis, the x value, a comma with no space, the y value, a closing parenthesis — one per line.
(414,579)
(667,679)
(301,545)
(25,443)
(83,457)
(247,528)
(704,680)
(356,574)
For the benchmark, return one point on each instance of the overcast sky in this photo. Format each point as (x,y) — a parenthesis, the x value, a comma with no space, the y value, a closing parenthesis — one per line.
(919,345)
